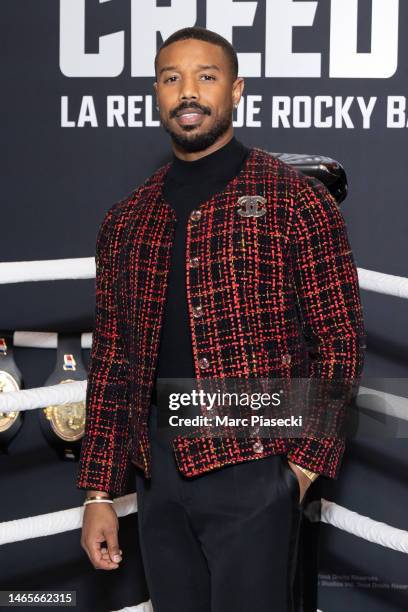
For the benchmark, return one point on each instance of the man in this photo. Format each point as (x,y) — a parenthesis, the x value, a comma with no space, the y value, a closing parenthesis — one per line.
(193,284)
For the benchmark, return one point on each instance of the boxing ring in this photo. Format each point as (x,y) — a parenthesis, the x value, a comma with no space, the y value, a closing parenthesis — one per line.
(46,525)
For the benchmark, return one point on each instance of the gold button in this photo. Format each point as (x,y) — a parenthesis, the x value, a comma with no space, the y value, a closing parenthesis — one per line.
(258,447)
(286,359)
(195,215)
(197,311)
(194,262)
(203,363)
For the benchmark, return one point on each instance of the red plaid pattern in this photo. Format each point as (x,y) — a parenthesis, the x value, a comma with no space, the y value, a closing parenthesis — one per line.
(279,295)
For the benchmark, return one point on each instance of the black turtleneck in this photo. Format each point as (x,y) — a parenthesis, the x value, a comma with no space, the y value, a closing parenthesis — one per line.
(187,185)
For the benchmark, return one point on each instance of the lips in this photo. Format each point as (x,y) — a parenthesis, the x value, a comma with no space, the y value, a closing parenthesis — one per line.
(189,116)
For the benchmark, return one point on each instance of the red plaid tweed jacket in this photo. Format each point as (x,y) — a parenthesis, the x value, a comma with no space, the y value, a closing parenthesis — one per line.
(279,295)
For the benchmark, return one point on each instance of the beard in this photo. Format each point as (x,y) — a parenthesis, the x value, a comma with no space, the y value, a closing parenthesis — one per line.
(200,141)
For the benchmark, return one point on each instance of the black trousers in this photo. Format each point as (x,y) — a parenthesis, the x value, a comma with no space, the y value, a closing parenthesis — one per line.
(225,541)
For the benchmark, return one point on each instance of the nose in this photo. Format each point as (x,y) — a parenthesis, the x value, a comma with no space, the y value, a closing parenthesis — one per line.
(189,89)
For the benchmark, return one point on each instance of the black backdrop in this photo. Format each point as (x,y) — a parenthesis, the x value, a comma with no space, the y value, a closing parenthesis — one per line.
(58,181)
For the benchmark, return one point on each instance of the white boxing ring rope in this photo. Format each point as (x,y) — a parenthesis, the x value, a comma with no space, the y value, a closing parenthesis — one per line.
(58,395)
(143,607)
(29,399)
(45,340)
(78,268)
(56,522)
(82,268)
(331,514)
(40,397)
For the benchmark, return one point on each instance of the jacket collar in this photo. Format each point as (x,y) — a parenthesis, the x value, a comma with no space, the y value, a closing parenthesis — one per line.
(248,181)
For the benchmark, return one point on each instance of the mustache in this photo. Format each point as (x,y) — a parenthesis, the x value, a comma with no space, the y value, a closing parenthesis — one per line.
(204,109)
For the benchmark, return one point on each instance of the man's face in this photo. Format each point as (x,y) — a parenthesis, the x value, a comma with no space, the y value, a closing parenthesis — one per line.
(195,93)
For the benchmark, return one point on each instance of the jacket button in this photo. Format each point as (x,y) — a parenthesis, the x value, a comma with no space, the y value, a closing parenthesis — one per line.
(195,215)
(286,359)
(194,262)
(258,447)
(203,363)
(197,311)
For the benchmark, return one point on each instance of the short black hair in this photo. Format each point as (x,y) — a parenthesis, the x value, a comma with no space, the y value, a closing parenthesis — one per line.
(206,35)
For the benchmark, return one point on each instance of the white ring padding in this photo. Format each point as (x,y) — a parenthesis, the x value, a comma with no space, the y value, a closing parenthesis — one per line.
(57,522)
(84,268)
(364,527)
(39,397)
(331,513)
(58,395)
(45,340)
(143,607)
(390,404)
(47,270)
(387,284)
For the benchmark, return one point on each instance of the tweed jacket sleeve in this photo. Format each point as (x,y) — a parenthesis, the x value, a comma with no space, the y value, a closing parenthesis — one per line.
(104,461)
(325,280)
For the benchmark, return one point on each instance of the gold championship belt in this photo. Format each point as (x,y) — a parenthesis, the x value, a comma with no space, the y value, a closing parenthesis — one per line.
(64,425)
(67,421)
(10,380)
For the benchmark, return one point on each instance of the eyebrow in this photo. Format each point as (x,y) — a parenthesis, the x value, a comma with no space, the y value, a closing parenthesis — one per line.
(199,67)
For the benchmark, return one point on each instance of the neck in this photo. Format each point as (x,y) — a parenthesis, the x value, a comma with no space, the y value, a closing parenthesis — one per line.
(192,156)
(225,161)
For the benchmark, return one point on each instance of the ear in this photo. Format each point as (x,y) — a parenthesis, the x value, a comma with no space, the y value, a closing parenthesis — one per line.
(237,89)
(155,91)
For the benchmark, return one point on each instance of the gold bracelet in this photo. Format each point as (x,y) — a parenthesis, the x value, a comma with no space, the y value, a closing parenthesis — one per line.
(102,500)
(311,475)
(99,496)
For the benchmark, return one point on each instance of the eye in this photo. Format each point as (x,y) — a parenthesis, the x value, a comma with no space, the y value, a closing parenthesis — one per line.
(172,77)
(209,76)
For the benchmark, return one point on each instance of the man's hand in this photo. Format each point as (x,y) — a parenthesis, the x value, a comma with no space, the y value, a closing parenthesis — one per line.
(304,481)
(100,524)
